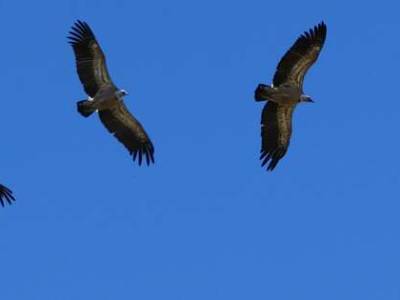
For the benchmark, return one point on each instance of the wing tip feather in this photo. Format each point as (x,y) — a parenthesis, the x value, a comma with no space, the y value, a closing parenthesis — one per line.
(80,32)
(144,155)
(316,33)
(6,195)
(272,157)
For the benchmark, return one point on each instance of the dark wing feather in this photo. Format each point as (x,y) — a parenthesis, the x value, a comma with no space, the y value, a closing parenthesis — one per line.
(128,131)
(5,195)
(276,129)
(300,57)
(90,60)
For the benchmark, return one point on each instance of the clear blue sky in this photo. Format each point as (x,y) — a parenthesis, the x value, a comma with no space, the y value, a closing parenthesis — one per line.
(206,221)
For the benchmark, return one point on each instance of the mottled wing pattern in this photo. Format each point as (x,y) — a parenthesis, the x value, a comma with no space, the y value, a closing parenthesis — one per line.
(300,57)
(6,195)
(128,131)
(90,60)
(276,129)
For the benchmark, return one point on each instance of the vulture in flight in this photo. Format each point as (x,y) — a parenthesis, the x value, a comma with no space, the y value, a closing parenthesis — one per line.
(285,93)
(5,195)
(104,97)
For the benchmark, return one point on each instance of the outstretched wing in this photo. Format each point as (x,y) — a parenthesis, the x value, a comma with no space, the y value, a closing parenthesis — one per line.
(276,129)
(119,121)
(90,60)
(300,57)
(5,195)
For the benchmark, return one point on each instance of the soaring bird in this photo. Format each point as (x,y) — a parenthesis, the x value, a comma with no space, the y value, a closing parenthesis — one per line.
(104,97)
(285,93)
(5,195)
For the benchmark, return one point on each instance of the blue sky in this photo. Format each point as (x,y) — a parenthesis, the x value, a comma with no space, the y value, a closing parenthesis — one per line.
(206,221)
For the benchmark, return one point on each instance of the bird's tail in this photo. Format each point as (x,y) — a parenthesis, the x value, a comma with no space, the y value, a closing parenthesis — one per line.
(85,108)
(262,92)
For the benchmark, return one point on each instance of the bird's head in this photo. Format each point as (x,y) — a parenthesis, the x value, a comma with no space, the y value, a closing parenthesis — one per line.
(306,98)
(121,93)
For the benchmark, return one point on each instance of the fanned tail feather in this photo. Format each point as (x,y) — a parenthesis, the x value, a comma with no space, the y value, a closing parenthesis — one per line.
(85,108)
(262,92)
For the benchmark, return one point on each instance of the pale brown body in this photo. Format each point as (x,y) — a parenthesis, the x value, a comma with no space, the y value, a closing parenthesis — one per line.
(107,97)
(284,94)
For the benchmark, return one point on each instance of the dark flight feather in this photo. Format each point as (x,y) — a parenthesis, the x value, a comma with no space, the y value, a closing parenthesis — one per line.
(129,132)
(90,60)
(276,129)
(301,56)
(6,195)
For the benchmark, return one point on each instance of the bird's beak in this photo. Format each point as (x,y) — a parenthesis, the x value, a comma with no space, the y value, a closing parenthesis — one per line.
(309,100)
